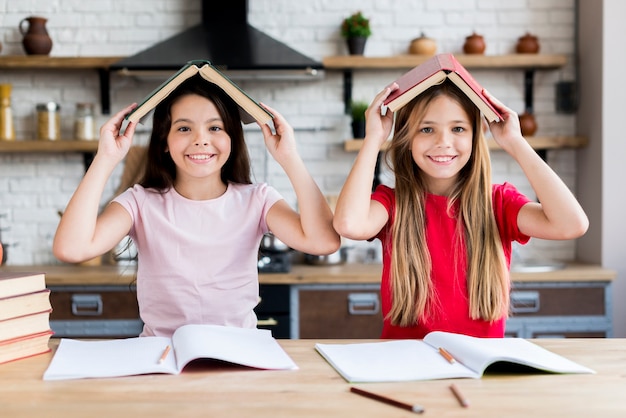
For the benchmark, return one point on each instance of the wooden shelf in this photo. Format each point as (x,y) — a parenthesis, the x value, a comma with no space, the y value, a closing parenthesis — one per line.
(47,62)
(44,62)
(511,61)
(28,146)
(538,143)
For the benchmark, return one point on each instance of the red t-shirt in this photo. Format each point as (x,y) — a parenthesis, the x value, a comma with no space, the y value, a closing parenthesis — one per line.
(450,312)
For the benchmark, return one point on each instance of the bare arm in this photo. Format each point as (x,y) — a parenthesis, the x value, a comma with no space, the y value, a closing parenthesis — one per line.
(558,216)
(356,215)
(82,234)
(311,230)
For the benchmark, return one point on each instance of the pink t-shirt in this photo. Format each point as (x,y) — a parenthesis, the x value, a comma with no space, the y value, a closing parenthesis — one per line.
(451,311)
(197,259)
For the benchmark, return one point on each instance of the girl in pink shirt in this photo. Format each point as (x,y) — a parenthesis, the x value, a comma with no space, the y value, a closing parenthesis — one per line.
(446,231)
(196,218)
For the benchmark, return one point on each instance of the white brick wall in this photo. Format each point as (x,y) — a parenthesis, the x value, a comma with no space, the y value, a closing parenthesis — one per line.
(33,188)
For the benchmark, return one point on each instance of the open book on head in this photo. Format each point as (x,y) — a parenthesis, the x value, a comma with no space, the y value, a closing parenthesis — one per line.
(256,348)
(434,71)
(249,109)
(462,357)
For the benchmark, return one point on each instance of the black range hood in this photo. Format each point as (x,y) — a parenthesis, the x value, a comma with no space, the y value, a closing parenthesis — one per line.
(227,40)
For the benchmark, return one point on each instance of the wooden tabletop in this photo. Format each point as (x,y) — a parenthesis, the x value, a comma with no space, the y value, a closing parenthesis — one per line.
(316,390)
(69,274)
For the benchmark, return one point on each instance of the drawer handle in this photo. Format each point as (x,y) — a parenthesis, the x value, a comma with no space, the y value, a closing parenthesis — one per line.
(524,301)
(87,305)
(363,303)
(269,322)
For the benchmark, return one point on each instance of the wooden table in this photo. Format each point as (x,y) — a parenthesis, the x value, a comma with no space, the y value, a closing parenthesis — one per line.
(316,390)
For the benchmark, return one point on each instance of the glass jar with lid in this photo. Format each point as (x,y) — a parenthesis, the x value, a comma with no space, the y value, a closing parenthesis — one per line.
(49,121)
(84,122)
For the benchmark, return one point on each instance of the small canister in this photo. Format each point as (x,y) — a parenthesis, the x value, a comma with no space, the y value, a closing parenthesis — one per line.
(49,121)
(84,122)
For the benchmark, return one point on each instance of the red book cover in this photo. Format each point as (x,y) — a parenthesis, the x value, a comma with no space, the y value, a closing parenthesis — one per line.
(24,346)
(434,71)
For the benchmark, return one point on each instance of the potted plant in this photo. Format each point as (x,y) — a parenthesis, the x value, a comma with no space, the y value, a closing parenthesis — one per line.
(357,110)
(356,29)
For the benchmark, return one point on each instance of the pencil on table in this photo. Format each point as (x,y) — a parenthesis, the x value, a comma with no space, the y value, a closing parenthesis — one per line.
(459,396)
(447,355)
(409,407)
(164,355)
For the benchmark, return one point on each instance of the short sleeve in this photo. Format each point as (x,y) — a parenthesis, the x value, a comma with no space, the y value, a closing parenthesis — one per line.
(507,202)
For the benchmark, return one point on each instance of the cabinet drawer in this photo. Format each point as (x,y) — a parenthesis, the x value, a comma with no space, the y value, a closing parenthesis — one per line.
(93,303)
(558,299)
(339,313)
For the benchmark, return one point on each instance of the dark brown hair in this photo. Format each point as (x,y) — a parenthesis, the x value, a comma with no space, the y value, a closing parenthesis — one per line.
(160,172)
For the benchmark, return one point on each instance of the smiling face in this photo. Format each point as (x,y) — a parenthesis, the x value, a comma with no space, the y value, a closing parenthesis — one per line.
(197,141)
(442,145)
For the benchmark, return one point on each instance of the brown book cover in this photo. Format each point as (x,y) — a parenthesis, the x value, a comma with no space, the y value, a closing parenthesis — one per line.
(24,346)
(25,304)
(249,109)
(435,71)
(13,284)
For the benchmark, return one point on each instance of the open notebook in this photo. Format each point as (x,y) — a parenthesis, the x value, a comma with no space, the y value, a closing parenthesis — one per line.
(406,360)
(76,359)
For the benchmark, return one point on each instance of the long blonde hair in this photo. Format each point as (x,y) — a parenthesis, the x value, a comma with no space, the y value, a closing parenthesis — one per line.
(487,274)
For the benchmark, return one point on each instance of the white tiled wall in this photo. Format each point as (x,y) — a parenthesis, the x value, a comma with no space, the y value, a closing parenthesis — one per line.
(33,188)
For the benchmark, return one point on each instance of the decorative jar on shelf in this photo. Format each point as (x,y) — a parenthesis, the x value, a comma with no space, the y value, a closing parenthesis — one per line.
(528,124)
(423,46)
(527,44)
(36,40)
(474,44)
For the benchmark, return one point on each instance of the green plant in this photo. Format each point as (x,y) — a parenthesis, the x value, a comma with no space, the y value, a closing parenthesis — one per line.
(356,25)
(357,109)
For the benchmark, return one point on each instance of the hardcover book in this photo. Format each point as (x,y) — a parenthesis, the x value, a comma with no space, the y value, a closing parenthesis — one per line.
(434,71)
(20,305)
(25,346)
(462,357)
(249,109)
(12,284)
(20,326)
(255,348)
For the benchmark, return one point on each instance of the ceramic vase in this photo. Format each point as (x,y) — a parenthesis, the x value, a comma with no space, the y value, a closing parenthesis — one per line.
(36,40)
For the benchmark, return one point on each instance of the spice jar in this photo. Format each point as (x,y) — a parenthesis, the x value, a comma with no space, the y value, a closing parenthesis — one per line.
(7,131)
(84,123)
(49,121)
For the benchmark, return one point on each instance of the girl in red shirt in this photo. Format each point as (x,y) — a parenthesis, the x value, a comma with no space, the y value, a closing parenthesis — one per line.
(446,230)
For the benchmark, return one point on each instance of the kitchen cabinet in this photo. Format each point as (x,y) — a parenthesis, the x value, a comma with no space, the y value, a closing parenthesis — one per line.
(94,311)
(336,311)
(340,301)
(560,309)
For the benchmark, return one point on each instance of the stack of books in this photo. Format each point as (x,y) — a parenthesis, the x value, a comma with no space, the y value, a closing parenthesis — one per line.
(24,316)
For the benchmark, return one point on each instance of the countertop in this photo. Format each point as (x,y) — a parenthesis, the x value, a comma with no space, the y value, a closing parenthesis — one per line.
(316,390)
(68,274)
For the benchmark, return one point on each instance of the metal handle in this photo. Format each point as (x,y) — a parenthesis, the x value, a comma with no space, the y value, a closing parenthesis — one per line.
(87,305)
(269,322)
(524,301)
(363,303)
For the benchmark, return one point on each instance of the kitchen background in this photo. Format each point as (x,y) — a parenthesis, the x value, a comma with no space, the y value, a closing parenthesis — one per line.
(35,187)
